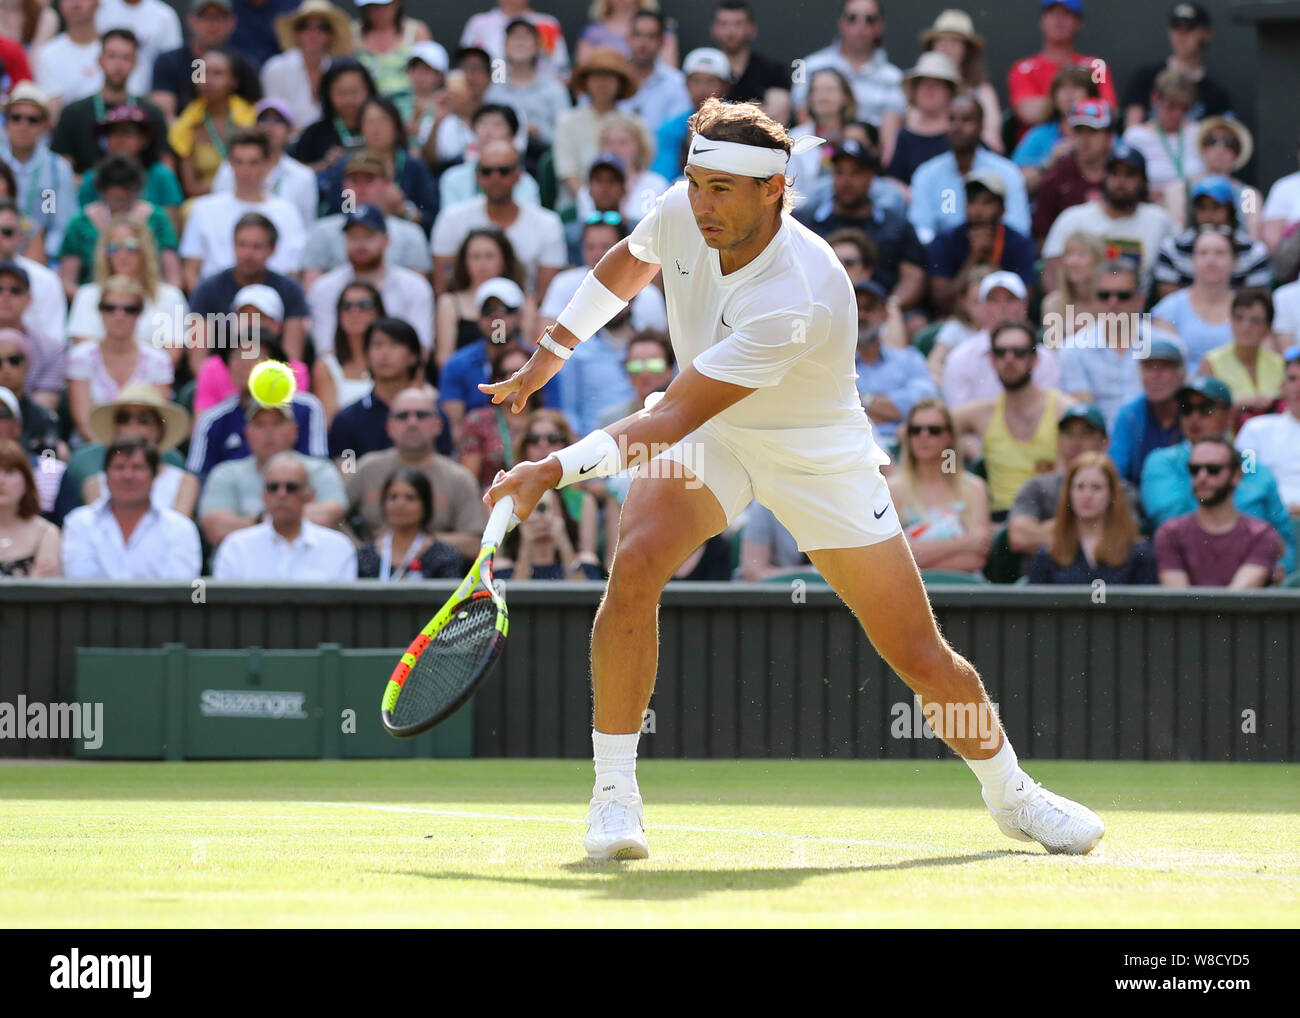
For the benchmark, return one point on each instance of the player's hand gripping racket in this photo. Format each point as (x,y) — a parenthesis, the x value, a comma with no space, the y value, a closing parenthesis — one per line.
(456,651)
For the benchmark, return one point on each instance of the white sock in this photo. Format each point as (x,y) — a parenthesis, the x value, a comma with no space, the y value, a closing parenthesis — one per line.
(615,753)
(996,772)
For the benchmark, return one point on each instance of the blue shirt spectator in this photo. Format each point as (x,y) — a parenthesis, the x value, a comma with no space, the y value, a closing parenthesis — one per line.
(468,367)
(1137,434)
(362,427)
(948,251)
(592,380)
(1167,492)
(1198,336)
(902,375)
(669,140)
(254,35)
(939,193)
(219,432)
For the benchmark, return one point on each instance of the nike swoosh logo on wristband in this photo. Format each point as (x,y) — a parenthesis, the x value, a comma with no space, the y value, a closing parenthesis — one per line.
(587,470)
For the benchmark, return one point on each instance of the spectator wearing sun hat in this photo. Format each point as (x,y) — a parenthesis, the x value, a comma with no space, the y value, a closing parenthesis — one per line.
(929,87)
(953,34)
(1226,145)
(25,146)
(606,79)
(288,179)
(310,36)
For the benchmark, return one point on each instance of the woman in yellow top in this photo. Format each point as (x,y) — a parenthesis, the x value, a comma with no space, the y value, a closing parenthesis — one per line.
(1248,366)
(198,135)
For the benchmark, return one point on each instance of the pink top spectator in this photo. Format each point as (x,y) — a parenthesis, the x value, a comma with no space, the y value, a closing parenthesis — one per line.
(214,382)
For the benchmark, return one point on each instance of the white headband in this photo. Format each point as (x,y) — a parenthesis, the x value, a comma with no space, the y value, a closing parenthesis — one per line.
(746,160)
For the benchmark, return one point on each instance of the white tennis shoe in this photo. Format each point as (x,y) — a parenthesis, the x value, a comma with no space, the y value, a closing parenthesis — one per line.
(614,827)
(1058,824)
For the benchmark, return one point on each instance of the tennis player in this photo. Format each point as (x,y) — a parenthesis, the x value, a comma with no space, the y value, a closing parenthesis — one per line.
(763,321)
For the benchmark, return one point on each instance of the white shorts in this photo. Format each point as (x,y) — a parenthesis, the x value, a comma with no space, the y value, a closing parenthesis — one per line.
(827,497)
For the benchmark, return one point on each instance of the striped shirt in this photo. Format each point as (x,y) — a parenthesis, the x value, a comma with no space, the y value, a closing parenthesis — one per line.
(1252,268)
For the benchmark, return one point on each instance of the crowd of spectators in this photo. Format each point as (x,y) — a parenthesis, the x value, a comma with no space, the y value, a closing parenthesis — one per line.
(1078,312)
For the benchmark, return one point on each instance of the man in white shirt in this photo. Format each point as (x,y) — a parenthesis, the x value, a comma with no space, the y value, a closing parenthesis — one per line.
(125,536)
(537,234)
(859,56)
(47,311)
(1281,210)
(1286,313)
(1274,438)
(407,295)
(286,546)
(67,67)
(764,323)
(156,27)
(1129,227)
(208,243)
(288,178)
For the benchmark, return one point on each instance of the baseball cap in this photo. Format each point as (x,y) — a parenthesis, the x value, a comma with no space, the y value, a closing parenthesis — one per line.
(1003,280)
(27,92)
(14,269)
(707,60)
(1205,385)
(199,5)
(1216,187)
(853,149)
(987,179)
(431,53)
(1083,412)
(872,287)
(367,216)
(275,106)
(1165,347)
(1191,15)
(262,297)
(612,161)
(1073,6)
(283,409)
(505,290)
(1094,113)
(10,401)
(1123,152)
(366,161)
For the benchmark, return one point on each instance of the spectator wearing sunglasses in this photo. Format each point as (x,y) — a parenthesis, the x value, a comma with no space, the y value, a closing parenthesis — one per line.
(25,146)
(491,122)
(944,511)
(97,372)
(1274,438)
(43,357)
(413,426)
(37,426)
(127,535)
(286,545)
(859,55)
(49,306)
(1216,545)
(650,366)
(1204,407)
(233,494)
(340,376)
(1226,145)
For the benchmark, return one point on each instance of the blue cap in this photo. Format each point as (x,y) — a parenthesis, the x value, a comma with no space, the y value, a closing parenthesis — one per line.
(1084,412)
(1218,188)
(1123,152)
(367,216)
(1165,350)
(612,161)
(872,287)
(1073,6)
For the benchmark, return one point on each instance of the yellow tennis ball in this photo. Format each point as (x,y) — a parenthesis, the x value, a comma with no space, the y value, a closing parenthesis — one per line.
(272,383)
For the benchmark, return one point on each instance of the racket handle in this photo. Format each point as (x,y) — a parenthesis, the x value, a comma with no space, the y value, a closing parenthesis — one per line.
(503,518)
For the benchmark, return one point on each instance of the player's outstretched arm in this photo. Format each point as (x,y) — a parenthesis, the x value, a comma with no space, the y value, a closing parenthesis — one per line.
(690,400)
(616,279)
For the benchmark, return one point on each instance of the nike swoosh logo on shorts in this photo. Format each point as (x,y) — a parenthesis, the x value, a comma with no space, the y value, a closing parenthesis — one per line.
(882,512)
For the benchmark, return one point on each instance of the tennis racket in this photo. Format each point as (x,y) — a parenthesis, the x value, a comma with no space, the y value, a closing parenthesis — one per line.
(457,650)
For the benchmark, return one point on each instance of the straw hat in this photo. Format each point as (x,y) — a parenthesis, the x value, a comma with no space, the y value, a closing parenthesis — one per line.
(935,65)
(1245,140)
(605,58)
(953,22)
(176,422)
(286,24)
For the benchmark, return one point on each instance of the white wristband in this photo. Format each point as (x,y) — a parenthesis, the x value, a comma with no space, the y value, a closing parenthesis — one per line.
(559,349)
(591,308)
(597,455)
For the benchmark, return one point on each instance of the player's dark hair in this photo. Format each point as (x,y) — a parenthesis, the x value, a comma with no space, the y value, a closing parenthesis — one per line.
(118,171)
(128,446)
(125,34)
(744,124)
(261,222)
(423,489)
(1248,297)
(400,333)
(338,67)
(343,351)
(500,109)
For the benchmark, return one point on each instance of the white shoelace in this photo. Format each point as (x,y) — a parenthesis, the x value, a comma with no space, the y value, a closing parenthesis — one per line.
(611,814)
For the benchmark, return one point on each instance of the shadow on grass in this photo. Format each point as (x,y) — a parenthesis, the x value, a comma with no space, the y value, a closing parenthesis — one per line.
(630,882)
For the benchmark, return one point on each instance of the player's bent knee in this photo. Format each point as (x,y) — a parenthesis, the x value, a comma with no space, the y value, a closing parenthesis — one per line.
(642,565)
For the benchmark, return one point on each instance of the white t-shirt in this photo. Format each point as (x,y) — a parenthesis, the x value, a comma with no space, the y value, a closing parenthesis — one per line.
(1286,310)
(155,25)
(1133,236)
(537,234)
(1160,153)
(68,71)
(1274,439)
(162,318)
(210,232)
(48,307)
(786,325)
(407,295)
(285,77)
(648,309)
(1283,201)
(289,179)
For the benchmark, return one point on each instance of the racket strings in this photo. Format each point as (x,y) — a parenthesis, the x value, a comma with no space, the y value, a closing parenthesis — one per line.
(450,663)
